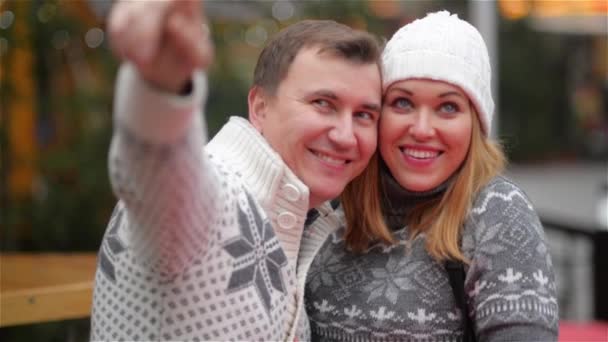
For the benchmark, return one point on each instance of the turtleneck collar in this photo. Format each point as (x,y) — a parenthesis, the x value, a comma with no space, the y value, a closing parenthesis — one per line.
(398,201)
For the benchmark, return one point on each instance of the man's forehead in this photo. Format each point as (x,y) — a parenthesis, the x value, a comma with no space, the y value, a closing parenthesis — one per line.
(316,73)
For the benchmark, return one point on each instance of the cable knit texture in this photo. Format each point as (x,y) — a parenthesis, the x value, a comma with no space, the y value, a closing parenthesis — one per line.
(399,293)
(193,250)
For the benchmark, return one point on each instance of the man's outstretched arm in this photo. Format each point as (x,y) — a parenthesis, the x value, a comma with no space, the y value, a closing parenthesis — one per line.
(158,167)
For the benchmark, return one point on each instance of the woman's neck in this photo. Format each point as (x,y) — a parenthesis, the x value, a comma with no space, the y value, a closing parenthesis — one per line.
(397,201)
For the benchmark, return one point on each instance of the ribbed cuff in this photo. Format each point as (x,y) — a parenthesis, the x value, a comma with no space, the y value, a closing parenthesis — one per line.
(153,115)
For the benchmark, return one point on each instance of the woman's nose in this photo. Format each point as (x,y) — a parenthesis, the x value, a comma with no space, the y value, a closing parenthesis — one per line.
(422,127)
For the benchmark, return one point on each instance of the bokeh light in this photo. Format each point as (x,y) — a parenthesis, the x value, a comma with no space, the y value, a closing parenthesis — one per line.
(46,12)
(94,37)
(283,10)
(256,35)
(6,19)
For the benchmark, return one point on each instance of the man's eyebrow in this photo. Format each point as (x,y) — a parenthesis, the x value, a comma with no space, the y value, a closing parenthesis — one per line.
(326,93)
(372,106)
(331,95)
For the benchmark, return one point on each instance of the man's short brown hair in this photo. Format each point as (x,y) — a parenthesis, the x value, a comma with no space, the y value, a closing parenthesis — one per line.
(330,36)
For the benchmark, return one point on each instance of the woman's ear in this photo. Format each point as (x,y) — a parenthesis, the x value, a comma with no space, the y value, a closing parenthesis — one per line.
(256,100)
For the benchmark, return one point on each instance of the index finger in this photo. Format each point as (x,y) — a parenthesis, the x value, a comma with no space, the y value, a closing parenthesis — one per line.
(190,7)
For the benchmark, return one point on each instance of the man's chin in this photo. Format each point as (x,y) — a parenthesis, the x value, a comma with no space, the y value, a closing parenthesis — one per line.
(323,188)
(323,194)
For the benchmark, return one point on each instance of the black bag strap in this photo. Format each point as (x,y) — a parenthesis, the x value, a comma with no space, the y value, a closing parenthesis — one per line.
(457,275)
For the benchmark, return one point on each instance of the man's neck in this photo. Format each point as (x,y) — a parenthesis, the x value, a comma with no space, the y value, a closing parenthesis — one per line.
(314,201)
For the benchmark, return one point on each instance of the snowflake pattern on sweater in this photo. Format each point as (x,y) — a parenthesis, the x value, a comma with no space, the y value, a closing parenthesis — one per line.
(400,293)
(258,257)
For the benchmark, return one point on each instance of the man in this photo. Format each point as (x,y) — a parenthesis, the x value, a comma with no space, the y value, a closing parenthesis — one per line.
(203,242)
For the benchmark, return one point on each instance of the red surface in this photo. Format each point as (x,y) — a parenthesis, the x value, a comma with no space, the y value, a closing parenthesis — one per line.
(583,331)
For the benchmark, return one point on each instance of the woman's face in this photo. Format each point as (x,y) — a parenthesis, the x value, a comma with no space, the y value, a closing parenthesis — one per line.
(425,132)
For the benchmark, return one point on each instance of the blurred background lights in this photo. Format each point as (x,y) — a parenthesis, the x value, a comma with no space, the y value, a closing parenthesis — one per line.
(40,189)
(256,35)
(514,9)
(270,26)
(61,39)
(3,46)
(6,19)
(46,12)
(385,9)
(94,37)
(282,10)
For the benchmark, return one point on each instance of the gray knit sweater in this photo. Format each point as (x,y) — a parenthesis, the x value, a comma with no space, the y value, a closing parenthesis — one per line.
(400,293)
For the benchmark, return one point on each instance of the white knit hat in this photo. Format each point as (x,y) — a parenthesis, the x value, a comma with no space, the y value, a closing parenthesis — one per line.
(445,48)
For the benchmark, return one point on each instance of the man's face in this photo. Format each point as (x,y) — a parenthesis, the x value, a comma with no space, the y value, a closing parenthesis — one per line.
(322,120)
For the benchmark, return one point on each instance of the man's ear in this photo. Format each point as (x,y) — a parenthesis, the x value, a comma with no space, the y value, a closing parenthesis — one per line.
(257,107)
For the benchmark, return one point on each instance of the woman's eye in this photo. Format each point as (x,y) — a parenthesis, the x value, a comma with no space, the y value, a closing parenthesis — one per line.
(402,103)
(450,107)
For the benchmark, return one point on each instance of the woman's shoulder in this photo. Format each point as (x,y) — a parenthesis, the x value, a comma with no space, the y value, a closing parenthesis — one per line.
(510,274)
(503,203)
(500,192)
(501,183)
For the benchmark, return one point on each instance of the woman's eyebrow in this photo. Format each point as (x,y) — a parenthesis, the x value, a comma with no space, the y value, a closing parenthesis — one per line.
(451,93)
(401,90)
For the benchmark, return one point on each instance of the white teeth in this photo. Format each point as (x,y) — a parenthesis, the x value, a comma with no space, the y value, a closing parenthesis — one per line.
(329,159)
(418,154)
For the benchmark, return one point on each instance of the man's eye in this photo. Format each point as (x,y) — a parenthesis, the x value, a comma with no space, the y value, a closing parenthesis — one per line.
(321,102)
(365,115)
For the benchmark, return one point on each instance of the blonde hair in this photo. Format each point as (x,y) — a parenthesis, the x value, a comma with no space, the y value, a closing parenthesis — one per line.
(442,219)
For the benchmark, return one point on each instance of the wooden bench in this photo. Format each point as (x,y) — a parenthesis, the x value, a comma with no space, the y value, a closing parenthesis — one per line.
(36,288)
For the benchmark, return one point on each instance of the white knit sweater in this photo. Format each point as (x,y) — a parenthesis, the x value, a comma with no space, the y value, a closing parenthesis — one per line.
(203,242)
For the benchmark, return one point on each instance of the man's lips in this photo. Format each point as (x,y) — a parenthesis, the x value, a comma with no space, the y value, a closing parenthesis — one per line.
(331,159)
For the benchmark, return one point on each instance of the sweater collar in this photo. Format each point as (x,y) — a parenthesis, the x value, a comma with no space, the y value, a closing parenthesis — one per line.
(280,192)
(250,155)
(398,201)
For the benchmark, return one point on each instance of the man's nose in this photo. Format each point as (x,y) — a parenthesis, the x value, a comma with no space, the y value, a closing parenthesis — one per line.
(342,133)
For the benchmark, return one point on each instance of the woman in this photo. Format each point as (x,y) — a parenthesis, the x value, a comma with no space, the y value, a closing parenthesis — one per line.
(378,267)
